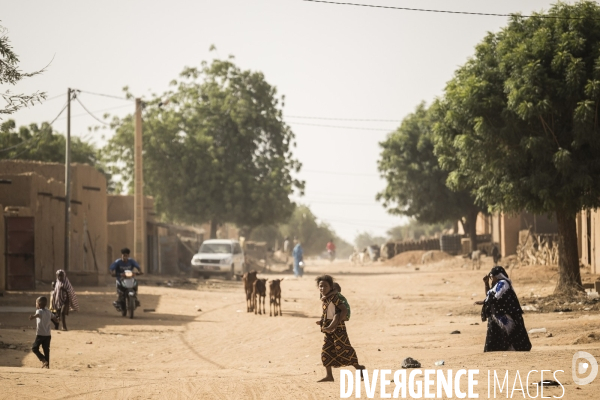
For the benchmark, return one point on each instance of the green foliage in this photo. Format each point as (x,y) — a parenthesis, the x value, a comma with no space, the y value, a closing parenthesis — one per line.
(41,143)
(416,230)
(215,149)
(313,235)
(366,239)
(303,225)
(416,184)
(519,121)
(11,75)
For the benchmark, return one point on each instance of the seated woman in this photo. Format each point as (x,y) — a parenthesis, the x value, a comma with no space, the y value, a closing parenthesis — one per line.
(506,328)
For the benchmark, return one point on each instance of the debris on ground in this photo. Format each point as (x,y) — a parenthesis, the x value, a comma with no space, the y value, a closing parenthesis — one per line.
(537,330)
(410,363)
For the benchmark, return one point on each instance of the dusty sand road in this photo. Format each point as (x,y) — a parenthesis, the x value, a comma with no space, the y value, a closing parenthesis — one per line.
(222,352)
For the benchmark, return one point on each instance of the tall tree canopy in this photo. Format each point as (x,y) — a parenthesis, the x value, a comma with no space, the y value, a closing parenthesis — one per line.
(215,149)
(40,143)
(11,75)
(520,121)
(416,185)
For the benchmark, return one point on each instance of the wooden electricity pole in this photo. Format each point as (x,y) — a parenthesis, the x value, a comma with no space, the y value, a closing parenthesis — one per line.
(138,207)
(68,185)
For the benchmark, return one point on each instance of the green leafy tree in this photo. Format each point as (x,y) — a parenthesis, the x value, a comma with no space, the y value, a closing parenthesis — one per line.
(304,226)
(416,184)
(215,149)
(11,75)
(520,122)
(40,143)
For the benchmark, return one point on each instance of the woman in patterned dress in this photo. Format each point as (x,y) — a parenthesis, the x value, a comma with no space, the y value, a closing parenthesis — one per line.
(506,328)
(337,350)
(63,298)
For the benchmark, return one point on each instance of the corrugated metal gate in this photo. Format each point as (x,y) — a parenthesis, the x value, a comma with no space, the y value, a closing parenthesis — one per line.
(20,266)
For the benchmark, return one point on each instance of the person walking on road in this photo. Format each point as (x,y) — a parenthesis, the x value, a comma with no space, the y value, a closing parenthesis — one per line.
(337,350)
(297,253)
(43,317)
(506,329)
(63,298)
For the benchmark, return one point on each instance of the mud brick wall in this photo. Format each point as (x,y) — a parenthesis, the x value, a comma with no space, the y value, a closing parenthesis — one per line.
(40,187)
(395,248)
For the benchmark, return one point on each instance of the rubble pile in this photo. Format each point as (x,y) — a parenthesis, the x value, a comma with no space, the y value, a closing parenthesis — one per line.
(537,249)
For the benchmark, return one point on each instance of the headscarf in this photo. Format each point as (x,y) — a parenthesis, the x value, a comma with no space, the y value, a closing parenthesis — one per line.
(58,298)
(504,283)
(500,273)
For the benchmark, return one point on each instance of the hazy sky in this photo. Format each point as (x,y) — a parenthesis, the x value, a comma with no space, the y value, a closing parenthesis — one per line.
(330,61)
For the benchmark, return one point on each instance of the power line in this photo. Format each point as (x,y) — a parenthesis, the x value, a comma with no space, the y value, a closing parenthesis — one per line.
(61,111)
(443,11)
(103,95)
(89,112)
(56,97)
(104,109)
(343,127)
(345,119)
(31,138)
(337,173)
(341,203)
(354,224)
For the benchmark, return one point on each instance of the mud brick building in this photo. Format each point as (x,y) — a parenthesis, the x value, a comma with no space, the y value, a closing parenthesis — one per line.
(33,203)
(588,234)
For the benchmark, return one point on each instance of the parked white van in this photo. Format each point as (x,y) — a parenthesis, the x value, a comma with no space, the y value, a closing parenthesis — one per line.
(219,257)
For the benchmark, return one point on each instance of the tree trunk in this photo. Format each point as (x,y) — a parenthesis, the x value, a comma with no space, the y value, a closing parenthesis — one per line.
(470,226)
(213,229)
(569,276)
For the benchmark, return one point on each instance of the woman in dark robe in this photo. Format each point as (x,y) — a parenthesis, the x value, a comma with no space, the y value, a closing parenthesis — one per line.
(506,328)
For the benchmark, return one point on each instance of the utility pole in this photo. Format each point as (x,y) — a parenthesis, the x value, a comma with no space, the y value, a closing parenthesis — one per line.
(139,223)
(68,185)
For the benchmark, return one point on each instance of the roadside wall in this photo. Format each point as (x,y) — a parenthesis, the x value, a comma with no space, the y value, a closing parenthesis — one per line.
(590,239)
(40,187)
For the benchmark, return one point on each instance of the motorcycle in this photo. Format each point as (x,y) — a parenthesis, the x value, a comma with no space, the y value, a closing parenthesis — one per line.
(331,255)
(127,287)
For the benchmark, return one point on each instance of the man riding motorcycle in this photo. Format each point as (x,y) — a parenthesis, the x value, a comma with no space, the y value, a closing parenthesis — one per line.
(119,267)
(331,250)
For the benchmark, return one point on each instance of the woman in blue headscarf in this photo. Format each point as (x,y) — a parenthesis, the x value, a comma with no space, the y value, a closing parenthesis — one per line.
(506,328)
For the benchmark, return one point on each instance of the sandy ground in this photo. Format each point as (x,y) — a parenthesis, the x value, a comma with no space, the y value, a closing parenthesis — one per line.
(222,352)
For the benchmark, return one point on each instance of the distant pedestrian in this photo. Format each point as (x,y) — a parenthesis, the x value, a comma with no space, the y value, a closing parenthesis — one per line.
(43,318)
(496,254)
(286,248)
(63,298)
(298,255)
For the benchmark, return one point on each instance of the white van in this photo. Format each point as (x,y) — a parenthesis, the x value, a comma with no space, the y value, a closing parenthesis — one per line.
(219,257)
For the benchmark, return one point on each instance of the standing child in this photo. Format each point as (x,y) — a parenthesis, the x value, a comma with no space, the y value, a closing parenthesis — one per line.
(337,350)
(43,318)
